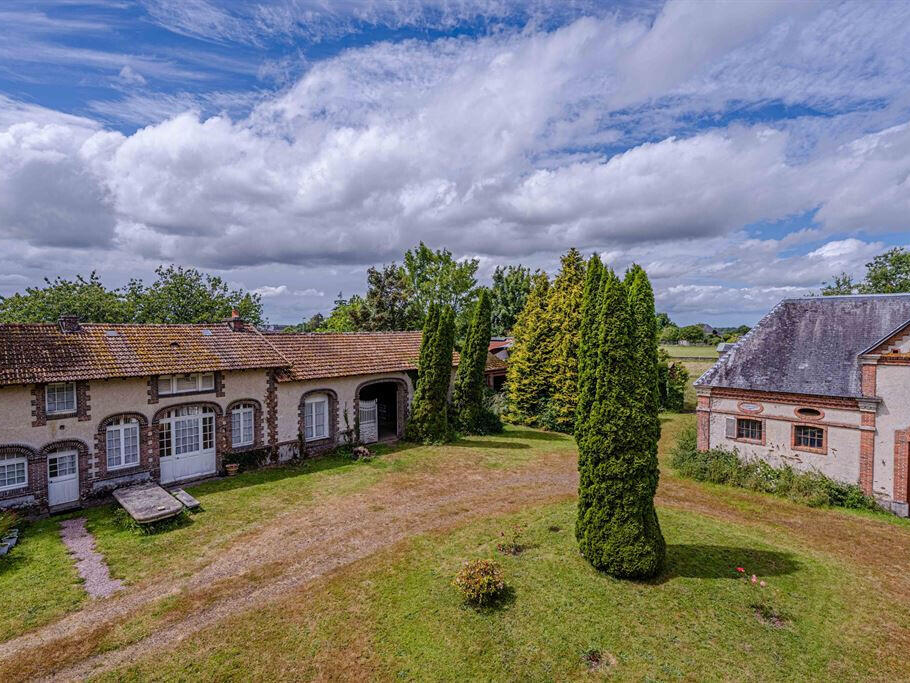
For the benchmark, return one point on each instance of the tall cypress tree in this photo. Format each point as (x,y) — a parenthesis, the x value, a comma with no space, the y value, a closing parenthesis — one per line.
(641,300)
(564,310)
(468,399)
(527,379)
(587,343)
(617,527)
(425,404)
(440,429)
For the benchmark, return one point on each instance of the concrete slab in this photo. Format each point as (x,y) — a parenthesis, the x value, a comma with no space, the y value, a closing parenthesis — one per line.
(148,502)
(188,501)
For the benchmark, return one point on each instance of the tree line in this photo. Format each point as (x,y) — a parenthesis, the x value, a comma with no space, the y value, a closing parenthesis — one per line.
(177,295)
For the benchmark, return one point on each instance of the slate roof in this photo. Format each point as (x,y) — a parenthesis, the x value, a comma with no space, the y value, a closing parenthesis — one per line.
(810,345)
(36,353)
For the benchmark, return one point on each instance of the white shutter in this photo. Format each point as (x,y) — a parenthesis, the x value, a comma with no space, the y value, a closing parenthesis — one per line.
(731,428)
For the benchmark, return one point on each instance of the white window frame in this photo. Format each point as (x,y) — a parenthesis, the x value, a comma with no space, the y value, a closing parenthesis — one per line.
(310,432)
(12,461)
(202,381)
(118,430)
(67,386)
(245,414)
(198,414)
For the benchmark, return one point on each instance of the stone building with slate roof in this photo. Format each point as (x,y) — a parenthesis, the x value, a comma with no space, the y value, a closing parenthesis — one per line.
(821,383)
(87,408)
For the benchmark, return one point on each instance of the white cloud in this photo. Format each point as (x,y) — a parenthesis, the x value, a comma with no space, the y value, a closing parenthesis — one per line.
(500,147)
(129,75)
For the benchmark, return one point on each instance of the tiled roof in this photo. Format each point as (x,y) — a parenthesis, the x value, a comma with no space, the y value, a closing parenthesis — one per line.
(320,355)
(810,346)
(34,353)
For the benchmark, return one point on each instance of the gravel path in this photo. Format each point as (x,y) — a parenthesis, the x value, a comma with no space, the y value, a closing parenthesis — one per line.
(89,563)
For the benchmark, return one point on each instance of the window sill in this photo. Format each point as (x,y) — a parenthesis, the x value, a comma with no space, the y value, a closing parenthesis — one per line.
(61,416)
(754,442)
(808,449)
(4,489)
(128,466)
(186,393)
(243,446)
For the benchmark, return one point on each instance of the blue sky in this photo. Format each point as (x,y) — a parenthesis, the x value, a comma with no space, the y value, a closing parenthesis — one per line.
(742,152)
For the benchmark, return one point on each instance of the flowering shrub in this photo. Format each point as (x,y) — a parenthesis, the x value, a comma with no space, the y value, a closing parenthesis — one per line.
(480,581)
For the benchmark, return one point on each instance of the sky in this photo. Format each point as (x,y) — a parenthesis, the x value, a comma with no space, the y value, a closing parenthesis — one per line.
(742,152)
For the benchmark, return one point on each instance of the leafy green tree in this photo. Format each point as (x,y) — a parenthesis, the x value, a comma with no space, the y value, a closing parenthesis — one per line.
(511,285)
(887,273)
(313,324)
(87,298)
(564,311)
(617,527)
(186,295)
(663,320)
(472,416)
(669,334)
(693,334)
(389,301)
(436,277)
(527,379)
(429,415)
(178,295)
(343,314)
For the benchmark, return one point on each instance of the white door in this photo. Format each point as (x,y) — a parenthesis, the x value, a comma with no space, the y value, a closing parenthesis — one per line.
(62,478)
(369,427)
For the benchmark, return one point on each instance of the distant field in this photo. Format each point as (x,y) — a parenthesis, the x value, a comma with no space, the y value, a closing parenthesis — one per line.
(690,351)
(696,369)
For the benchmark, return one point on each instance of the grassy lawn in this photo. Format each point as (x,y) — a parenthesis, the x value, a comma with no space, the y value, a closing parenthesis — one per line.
(676,351)
(397,616)
(38,580)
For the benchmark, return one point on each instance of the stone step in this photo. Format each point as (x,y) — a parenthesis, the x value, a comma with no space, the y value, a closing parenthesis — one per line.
(188,501)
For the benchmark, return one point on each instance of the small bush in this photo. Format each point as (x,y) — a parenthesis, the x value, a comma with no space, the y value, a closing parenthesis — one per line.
(248,460)
(480,581)
(724,466)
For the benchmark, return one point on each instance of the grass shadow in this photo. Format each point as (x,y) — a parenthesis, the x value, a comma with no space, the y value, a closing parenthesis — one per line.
(700,561)
(530,435)
(500,603)
(475,443)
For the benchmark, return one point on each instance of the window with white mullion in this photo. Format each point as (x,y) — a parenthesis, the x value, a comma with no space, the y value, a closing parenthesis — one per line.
(122,444)
(13,472)
(315,417)
(242,425)
(60,398)
(186,383)
(186,431)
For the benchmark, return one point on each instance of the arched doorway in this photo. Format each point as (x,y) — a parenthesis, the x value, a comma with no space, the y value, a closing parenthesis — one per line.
(382,405)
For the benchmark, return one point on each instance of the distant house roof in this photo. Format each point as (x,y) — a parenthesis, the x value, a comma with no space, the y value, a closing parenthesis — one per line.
(41,352)
(810,345)
(497,343)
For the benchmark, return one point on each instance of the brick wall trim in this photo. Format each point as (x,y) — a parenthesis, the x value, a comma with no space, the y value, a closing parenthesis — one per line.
(901,465)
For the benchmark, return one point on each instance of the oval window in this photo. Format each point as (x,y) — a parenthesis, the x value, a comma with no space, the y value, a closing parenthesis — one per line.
(808,412)
(750,407)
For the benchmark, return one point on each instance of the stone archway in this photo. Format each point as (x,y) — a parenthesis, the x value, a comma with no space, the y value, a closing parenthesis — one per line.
(391,397)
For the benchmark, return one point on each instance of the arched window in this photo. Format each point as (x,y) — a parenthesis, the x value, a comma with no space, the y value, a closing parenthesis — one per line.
(190,429)
(122,440)
(242,420)
(13,471)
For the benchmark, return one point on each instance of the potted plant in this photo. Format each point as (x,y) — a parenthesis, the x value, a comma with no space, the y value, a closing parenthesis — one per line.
(232,468)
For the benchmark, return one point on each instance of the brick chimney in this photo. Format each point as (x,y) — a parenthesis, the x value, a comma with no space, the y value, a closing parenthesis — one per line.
(69,323)
(236,322)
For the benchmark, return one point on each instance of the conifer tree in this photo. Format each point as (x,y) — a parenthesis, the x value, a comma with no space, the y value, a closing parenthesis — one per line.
(587,343)
(423,424)
(641,301)
(564,310)
(527,379)
(468,399)
(617,528)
